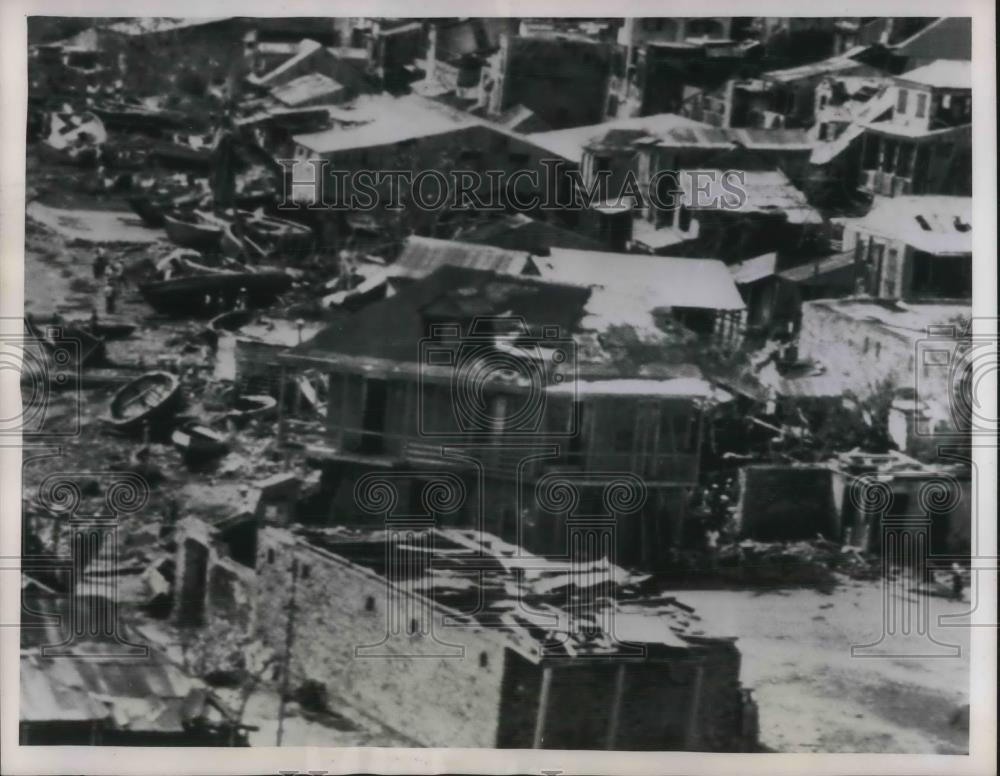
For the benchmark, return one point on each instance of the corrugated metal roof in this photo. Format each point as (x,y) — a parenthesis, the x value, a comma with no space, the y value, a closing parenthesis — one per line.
(138,695)
(422,255)
(766,191)
(43,699)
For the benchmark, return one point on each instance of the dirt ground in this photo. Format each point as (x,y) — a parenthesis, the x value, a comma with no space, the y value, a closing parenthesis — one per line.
(815,697)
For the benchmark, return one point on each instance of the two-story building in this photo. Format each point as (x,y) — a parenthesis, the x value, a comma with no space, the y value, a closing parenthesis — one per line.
(925,146)
(913,248)
(483,375)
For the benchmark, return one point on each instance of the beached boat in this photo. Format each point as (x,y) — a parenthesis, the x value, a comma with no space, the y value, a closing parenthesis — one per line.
(193,229)
(276,234)
(151,212)
(147,400)
(183,156)
(198,443)
(134,117)
(207,294)
(110,329)
(231,320)
(252,407)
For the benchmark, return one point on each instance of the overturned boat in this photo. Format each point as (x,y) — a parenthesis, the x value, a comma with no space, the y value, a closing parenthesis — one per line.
(231,320)
(198,443)
(252,407)
(148,400)
(149,211)
(204,294)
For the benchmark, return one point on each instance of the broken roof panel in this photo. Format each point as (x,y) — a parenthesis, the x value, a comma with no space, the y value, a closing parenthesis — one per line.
(837,64)
(422,255)
(306,88)
(43,699)
(480,579)
(723,138)
(390,331)
(937,224)
(306,48)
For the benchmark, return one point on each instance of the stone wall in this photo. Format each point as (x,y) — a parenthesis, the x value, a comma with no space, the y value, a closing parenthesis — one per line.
(342,615)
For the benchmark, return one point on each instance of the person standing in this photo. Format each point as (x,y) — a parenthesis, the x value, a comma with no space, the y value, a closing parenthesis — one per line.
(118,273)
(110,297)
(100,264)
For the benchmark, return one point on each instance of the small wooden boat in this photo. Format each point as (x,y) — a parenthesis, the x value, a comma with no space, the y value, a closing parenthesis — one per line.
(252,407)
(230,321)
(129,116)
(278,234)
(193,229)
(151,212)
(207,294)
(198,443)
(178,156)
(149,399)
(110,329)
(236,244)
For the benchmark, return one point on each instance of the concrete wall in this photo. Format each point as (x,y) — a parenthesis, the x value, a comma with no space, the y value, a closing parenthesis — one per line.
(407,677)
(864,353)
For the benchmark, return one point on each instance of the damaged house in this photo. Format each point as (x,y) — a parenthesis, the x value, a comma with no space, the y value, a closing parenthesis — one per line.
(925,145)
(391,385)
(108,688)
(512,649)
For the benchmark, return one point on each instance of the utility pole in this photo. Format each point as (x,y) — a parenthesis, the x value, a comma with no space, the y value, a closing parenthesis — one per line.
(287,662)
